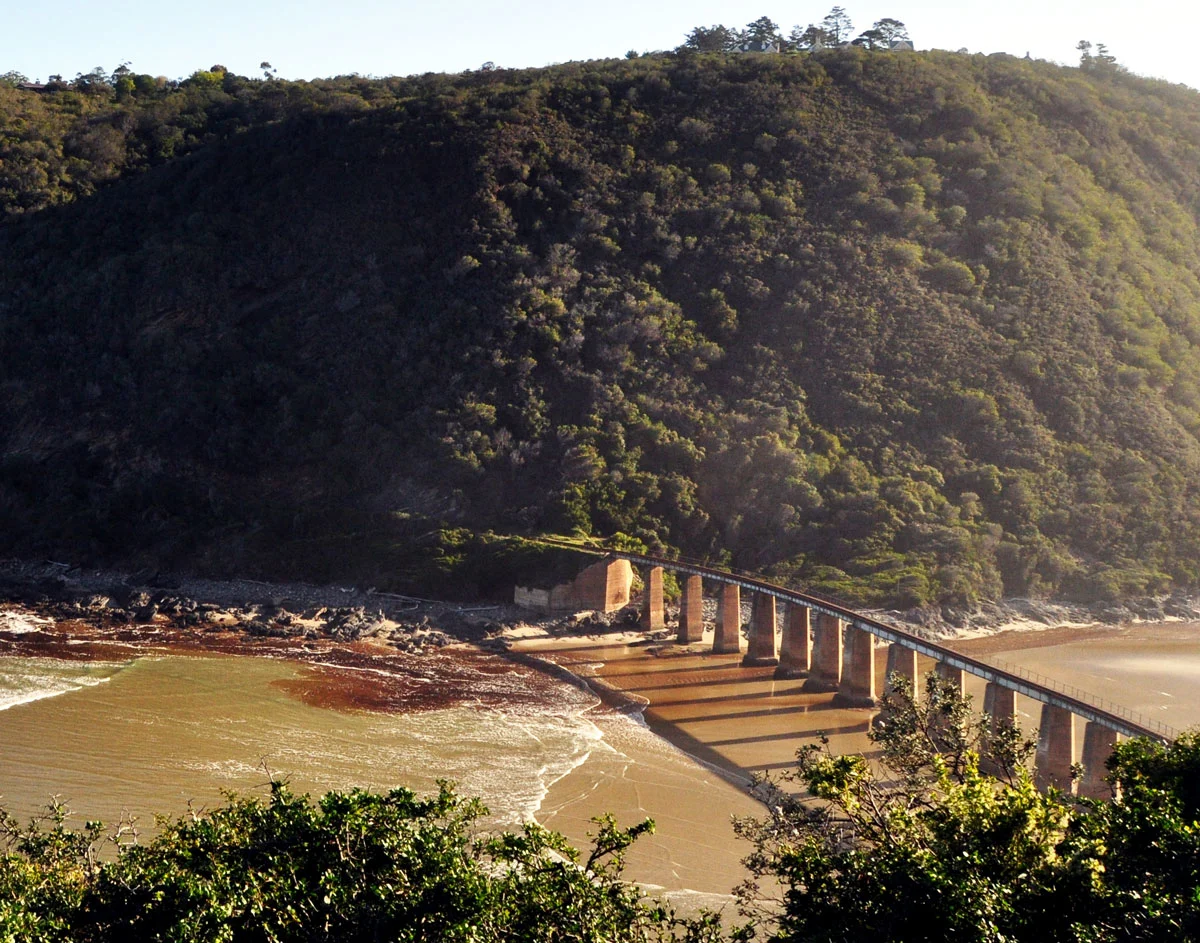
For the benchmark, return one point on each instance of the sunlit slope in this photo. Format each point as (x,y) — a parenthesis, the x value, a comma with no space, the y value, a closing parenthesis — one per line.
(910,327)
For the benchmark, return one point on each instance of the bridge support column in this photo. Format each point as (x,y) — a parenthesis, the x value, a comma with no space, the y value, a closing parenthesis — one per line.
(826,674)
(902,661)
(652,600)
(728,637)
(956,676)
(795,653)
(1055,748)
(1098,743)
(761,651)
(1000,704)
(691,611)
(857,688)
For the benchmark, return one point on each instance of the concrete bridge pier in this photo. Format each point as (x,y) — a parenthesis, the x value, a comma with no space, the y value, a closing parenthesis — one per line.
(956,676)
(1098,743)
(795,651)
(691,611)
(1055,748)
(763,620)
(728,637)
(857,688)
(902,661)
(826,673)
(1000,704)
(652,600)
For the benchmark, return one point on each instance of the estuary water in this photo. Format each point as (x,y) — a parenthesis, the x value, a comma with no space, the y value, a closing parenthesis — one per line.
(141,730)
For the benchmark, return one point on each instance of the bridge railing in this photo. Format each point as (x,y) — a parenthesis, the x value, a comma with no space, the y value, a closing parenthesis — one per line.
(1100,703)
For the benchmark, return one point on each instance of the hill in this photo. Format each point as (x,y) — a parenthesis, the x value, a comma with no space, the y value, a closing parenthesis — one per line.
(908,327)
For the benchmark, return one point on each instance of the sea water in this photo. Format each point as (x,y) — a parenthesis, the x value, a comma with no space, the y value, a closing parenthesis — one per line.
(158,732)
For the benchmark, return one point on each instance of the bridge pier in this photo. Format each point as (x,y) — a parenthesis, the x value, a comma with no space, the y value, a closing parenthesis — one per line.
(652,601)
(1055,748)
(691,611)
(956,676)
(826,674)
(1098,743)
(902,661)
(1000,704)
(728,637)
(795,652)
(761,651)
(857,688)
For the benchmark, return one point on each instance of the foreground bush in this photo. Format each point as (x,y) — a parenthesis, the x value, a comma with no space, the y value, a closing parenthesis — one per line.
(351,866)
(926,847)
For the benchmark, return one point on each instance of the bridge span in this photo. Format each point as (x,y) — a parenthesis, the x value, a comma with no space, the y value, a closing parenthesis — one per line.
(831,646)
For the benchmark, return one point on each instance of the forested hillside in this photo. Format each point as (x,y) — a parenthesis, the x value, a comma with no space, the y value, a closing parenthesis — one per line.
(905,326)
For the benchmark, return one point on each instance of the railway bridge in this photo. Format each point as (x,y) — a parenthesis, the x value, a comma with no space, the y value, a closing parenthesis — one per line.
(832,647)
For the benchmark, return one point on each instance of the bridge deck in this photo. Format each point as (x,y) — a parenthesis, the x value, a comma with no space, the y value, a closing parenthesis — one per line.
(1106,713)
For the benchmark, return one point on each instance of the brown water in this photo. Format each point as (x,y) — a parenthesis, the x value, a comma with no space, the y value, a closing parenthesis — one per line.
(152,732)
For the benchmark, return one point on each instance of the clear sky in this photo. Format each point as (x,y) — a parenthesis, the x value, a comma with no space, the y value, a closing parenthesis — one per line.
(308,39)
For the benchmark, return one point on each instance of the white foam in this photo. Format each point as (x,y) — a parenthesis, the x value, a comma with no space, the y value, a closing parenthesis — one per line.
(20,623)
(25,680)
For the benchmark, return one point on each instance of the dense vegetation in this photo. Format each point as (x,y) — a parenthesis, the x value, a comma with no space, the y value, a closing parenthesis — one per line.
(930,850)
(907,327)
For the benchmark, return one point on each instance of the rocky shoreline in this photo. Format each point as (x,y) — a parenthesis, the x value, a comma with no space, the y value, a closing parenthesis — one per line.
(116,601)
(112,600)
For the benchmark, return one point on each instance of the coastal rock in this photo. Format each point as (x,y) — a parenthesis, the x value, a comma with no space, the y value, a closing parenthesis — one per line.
(260,628)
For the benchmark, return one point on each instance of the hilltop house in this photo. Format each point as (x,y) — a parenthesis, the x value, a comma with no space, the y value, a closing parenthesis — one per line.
(760,45)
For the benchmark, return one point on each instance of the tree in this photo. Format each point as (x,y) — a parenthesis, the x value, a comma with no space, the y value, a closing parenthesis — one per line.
(123,81)
(892,31)
(712,39)
(872,39)
(762,34)
(1103,59)
(352,866)
(811,37)
(837,25)
(95,82)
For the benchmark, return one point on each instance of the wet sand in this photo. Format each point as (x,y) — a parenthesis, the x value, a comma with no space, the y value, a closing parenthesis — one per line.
(1150,668)
(737,720)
